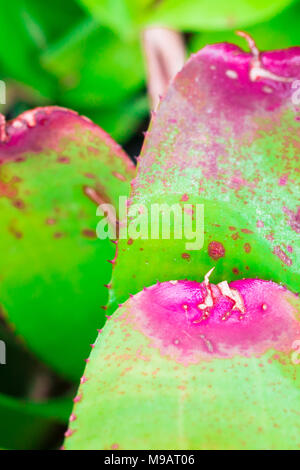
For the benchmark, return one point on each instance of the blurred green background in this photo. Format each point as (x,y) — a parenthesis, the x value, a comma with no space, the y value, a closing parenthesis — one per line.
(87,55)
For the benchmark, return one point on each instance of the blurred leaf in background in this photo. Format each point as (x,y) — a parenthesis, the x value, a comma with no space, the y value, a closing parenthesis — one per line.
(129,16)
(67,57)
(101,75)
(205,15)
(26,28)
(27,420)
(28,425)
(280,32)
(95,68)
(125,17)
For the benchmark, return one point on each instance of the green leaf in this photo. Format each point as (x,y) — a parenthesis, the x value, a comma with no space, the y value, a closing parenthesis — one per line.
(191,15)
(57,409)
(26,30)
(17,358)
(21,41)
(122,16)
(95,68)
(127,17)
(26,424)
(56,168)
(281,31)
(53,23)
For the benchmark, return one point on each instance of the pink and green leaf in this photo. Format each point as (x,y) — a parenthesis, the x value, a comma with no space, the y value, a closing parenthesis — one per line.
(55,169)
(183,365)
(226,135)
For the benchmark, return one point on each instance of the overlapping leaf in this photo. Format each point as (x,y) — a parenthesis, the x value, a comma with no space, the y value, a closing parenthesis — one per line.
(226,137)
(56,168)
(165,373)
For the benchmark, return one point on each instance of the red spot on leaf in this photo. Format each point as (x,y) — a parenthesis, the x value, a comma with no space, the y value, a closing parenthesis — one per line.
(119,176)
(89,175)
(16,233)
(7,190)
(58,235)
(19,204)
(63,160)
(88,233)
(216,250)
(247,247)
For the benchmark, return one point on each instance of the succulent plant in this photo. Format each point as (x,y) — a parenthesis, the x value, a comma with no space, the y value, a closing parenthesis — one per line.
(182,363)
(199,289)
(55,169)
(185,364)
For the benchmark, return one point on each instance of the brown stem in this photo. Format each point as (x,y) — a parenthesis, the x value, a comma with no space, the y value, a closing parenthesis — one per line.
(164,51)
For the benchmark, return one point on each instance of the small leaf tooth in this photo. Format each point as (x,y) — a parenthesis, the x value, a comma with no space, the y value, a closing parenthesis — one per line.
(69,432)
(77,398)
